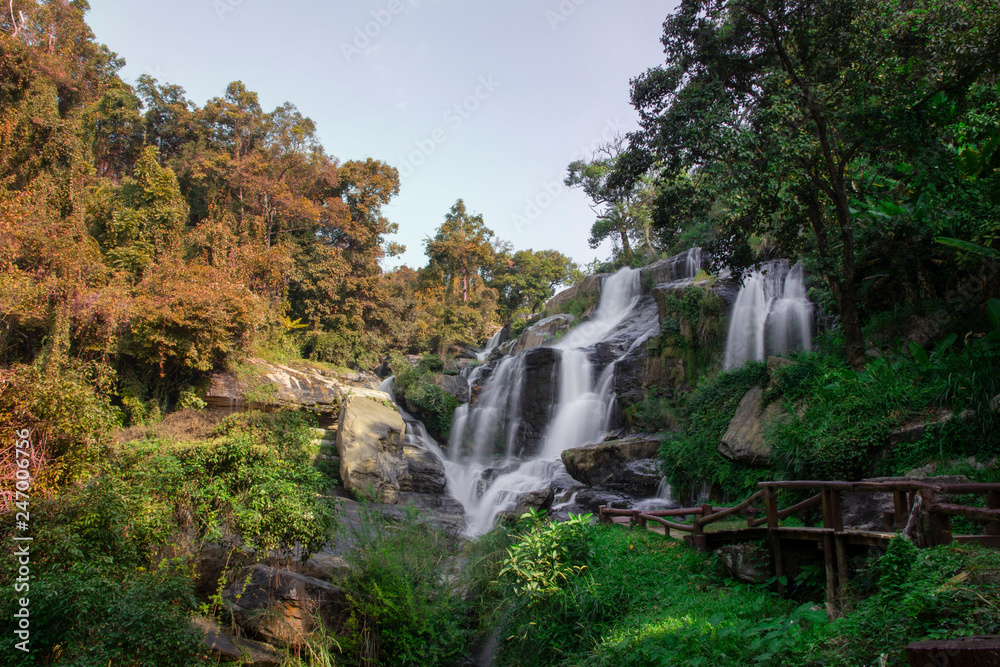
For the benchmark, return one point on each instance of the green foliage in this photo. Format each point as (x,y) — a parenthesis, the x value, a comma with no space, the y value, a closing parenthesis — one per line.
(909,595)
(403,611)
(645,601)
(578,305)
(545,554)
(69,422)
(415,387)
(254,484)
(89,615)
(693,330)
(690,458)
(653,413)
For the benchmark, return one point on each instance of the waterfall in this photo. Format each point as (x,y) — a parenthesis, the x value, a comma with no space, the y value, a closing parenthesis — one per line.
(484,471)
(491,345)
(772,315)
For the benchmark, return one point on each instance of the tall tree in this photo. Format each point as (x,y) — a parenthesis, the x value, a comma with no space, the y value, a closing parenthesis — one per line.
(461,248)
(798,112)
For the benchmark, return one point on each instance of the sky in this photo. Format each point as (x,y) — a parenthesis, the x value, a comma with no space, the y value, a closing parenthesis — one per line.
(484,101)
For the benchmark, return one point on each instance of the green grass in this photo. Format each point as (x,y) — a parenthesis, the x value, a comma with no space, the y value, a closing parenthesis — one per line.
(644,600)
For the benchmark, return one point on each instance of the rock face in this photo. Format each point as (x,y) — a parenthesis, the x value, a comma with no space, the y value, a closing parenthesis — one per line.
(541,380)
(426,471)
(589,286)
(743,441)
(320,391)
(543,332)
(748,563)
(455,385)
(278,605)
(626,466)
(370,443)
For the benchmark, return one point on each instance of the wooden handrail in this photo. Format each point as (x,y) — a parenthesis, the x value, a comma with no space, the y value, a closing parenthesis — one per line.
(669,524)
(718,516)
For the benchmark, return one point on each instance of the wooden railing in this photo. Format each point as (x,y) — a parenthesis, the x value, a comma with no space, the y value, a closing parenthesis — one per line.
(917,511)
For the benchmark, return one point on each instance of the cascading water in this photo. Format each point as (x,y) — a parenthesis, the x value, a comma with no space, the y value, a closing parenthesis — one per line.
(772,315)
(485,473)
(491,345)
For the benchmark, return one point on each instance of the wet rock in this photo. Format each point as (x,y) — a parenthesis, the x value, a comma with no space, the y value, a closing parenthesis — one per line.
(426,471)
(615,464)
(541,379)
(748,563)
(280,606)
(370,443)
(544,332)
(590,500)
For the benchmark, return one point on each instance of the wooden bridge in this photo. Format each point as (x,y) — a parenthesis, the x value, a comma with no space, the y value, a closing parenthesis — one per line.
(918,512)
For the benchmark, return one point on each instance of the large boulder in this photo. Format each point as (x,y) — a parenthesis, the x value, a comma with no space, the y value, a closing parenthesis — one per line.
(455,385)
(370,443)
(280,606)
(426,470)
(744,441)
(543,332)
(298,386)
(627,465)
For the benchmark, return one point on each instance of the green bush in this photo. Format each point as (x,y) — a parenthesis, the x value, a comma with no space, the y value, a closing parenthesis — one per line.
(545,555)
(404,609)
(427,401)
(691,458)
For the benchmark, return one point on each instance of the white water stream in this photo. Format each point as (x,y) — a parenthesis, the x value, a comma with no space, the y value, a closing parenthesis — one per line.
(772,315)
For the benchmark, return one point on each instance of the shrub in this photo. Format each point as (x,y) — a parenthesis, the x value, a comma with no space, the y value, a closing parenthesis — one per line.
(404,609)
(691,458)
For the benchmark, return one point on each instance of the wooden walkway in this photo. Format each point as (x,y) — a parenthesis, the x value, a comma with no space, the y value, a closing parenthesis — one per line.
(918,513)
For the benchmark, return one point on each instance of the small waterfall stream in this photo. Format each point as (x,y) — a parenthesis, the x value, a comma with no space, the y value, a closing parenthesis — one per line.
(772,315)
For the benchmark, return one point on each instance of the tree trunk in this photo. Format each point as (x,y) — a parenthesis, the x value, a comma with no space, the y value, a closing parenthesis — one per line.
(465,288)
(625,243)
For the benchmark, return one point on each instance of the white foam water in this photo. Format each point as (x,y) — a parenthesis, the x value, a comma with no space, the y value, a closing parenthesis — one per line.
(772,315)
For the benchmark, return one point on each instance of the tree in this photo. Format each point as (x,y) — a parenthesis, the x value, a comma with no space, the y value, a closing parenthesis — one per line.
(460,249)
(526,279)
(622,207)
(799,114)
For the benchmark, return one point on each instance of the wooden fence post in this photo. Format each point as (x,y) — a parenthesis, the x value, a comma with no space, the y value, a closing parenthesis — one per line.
(773,542)
(993,503)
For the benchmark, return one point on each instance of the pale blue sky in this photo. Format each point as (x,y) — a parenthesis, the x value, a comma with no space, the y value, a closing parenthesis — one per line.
(487,102)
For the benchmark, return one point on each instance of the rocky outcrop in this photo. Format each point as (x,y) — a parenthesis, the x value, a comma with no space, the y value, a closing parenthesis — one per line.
(425,471)
(743,441)
(541,384)
(864,511)
(625,466)
(318,390)
(280,606)
(543,333)
(455,385)
(370,443)
(748,563)
(589,287)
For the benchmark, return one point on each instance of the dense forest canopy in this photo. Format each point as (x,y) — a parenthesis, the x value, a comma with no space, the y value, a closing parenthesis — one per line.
(154,239)
(851,134)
